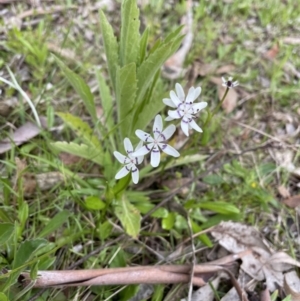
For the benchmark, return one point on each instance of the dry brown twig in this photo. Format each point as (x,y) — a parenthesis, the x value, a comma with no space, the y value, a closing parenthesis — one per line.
(164,274)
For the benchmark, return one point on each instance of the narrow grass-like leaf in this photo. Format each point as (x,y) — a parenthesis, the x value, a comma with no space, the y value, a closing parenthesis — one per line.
(219,207)
(106,100)
(80,87)
(80,150)
(110,46)
(130,35)
(143,46)
(55,223)
(149,107)
(129,217)
(81,128)
(173,35)
(126,93)
(152,64)
(6,231)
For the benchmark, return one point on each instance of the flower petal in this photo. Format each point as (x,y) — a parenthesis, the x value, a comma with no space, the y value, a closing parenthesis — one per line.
(185,127)
(199,106)
(224,80)
(143,150)
(174,114)
(158,124)
(140,159)
(197,92)
(155,157)
(190,96)
(169,102)
(122,173)
(195,126)
(128,145)
(170,151)
(175,98)
(168,132)
(144,136)
(180,92)
(169,118)
(121,158)
(135,175)
(140,144)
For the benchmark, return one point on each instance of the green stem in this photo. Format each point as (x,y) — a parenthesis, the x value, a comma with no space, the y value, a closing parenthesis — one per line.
(215,110)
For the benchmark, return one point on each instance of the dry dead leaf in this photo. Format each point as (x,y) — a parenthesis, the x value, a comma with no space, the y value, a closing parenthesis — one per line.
(263,263)
(225,69)
(284,158)
(23,134)
(230,101)
(293,201)
(292,285)
(69,159)
(283,191)
(272,53)
(265,295)
(206,292)
(6,106)
(46,181)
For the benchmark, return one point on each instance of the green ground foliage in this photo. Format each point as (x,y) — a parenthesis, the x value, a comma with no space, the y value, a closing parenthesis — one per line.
(95,76)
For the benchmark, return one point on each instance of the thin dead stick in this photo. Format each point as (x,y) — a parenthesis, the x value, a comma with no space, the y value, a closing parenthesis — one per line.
(165,274)
(41,11)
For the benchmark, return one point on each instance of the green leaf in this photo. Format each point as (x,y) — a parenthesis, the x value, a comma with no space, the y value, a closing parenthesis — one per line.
(80,150)
(80,87)
(145,207)
(55,223)
(130,35)
(219,207)
(27,251)
(6,231)
(126,93)
(82,129)
(106,101)
(94,203)
(105,230)
(213,179)
(110,46)
(153,63)
(143,45)
(129,217)
(121,185)
(203,238)
(34,270)
(169,221)
(149,107)
(174,34)
(3,297)
(159,291)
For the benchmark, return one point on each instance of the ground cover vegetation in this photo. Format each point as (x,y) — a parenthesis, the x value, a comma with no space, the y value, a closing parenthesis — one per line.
(149,134)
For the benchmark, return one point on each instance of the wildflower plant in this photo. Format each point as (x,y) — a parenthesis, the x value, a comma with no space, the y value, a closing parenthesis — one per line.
(134,74)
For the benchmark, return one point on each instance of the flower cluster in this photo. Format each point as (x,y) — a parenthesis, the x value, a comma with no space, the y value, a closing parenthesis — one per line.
(185,109)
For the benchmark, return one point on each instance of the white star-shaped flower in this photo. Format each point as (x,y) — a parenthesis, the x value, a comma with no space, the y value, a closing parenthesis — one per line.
(185,107)
(130,161)
(156,143)
(229,83)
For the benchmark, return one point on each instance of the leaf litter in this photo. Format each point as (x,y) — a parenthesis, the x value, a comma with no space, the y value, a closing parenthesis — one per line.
(263,263)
